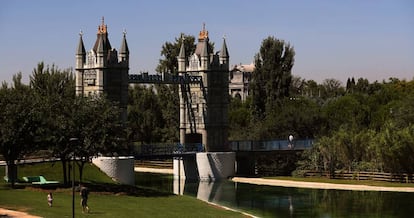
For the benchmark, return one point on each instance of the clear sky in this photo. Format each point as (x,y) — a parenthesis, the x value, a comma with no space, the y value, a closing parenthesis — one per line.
(337,39)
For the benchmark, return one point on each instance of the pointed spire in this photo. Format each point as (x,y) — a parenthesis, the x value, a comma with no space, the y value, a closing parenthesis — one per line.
(102,28)
(204,49)
(100,48)
(124,46)
(182,49)
(81,47)
(203,33)
(224,53)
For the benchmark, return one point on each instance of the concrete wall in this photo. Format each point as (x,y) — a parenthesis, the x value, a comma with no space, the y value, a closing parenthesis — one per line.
(120,169)
(205,166)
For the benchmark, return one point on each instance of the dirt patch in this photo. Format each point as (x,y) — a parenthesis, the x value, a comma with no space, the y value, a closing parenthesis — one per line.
(12,213)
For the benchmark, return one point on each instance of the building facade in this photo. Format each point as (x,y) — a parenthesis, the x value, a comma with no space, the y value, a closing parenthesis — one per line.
(240,77)
(103,70)
(204,105)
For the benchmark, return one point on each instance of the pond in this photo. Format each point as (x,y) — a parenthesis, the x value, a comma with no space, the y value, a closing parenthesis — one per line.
(271,201)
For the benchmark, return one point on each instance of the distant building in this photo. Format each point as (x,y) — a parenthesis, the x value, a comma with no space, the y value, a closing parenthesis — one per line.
(240,77)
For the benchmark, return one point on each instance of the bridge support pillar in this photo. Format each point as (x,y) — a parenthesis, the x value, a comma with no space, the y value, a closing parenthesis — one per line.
(205,166)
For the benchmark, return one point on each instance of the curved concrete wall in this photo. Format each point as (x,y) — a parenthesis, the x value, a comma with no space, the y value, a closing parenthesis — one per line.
(205,166)
(215,165)
(120,169)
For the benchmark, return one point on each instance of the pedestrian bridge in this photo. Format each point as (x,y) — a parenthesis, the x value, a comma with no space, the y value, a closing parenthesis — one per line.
(169,151)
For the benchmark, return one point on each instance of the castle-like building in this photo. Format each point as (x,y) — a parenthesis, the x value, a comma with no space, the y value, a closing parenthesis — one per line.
(204,105)
(103,70)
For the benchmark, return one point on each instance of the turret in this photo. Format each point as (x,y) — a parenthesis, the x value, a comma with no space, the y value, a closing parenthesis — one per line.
(80,62)
(100,52)
(224,56)
(80,53)
(124,51)
(204,56)
(181,58)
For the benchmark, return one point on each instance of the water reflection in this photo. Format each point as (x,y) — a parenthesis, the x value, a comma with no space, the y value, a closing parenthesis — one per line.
(269,201)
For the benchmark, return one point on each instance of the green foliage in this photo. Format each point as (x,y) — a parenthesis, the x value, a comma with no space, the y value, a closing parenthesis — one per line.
(239,119)
(370,129)
(144,115)
(272,76)
(20,120)
(168,97)
(170,51)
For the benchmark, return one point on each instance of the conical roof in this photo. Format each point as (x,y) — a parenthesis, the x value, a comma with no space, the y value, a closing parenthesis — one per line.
(224,53)
(124,46)
(81,47)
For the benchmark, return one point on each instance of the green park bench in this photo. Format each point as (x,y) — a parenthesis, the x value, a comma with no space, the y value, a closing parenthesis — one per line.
(38,180)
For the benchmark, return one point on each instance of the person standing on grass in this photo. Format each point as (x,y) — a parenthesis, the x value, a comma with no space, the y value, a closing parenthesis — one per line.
(84,192)
(50,199)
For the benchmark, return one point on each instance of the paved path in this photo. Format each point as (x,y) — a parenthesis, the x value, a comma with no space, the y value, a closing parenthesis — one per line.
(153,170)
(319,185)
(13,213)
(295,184)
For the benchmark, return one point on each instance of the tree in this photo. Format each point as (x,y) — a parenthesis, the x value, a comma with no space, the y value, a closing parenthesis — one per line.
(56,89)
(332,88)
(20,119)
(98,127)
(272,76)
(170,51)
(144,115)
(239,119)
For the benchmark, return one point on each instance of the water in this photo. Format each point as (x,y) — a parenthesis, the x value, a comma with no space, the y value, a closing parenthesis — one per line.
(270,201)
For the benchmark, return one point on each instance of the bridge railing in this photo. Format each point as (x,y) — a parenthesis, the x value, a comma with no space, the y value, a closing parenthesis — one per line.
(168,149)
(273,145)
(164,78)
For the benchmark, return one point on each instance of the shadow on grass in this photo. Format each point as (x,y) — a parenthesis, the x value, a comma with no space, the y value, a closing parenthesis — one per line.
(99,188)
(125,190)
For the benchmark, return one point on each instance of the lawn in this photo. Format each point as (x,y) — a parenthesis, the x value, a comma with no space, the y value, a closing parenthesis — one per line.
(106,199)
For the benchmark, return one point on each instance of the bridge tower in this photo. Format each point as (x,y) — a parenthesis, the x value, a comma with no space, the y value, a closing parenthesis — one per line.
(103,70)
(204,106)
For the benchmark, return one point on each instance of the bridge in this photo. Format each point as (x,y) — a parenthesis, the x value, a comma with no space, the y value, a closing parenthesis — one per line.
(168,151)
(253,158)
(164,78)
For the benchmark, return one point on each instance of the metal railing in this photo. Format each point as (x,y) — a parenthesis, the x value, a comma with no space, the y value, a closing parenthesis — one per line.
(168,149)
(273,145)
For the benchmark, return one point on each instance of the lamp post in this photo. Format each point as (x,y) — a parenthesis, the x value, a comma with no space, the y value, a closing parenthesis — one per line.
(290,138)
(73,141)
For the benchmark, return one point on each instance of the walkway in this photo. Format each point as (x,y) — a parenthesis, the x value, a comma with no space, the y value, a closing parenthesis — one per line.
(295,184)
(319,185)
(13,213)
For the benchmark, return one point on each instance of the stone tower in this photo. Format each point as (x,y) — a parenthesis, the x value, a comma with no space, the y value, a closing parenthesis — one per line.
(103,70)
(204,106)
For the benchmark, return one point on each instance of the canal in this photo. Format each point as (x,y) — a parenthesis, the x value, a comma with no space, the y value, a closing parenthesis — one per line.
(271,201)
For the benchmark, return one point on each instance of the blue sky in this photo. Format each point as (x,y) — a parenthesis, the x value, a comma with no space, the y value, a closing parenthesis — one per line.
(373,39)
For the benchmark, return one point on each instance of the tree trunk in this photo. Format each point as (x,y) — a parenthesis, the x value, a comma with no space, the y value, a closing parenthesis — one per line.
(11,172)
(64,168)
(80,166)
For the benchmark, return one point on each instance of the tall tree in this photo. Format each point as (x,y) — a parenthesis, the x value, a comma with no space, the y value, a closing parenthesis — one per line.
(170,51)
(272,76)
(56,89)
(98,128)
(144,115)
(20,119)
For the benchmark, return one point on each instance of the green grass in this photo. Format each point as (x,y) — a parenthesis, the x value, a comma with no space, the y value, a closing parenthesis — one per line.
(107,199)
(343,181)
